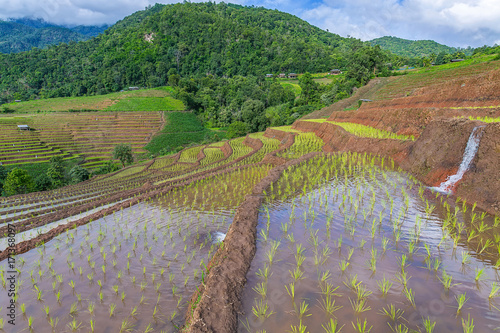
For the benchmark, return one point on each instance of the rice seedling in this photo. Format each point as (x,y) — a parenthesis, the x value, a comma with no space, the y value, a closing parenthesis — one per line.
(495,288)
(468,325)
(332,326)
(392,313)
(429,325)
(261,309)
(361,327)
(327,304)
(410,296)
(384,286)
(461,299)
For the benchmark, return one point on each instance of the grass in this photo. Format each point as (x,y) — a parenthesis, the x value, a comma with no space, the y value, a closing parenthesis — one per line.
(486,119)
(156,99)
(181,128)
(147,104)
(366,131)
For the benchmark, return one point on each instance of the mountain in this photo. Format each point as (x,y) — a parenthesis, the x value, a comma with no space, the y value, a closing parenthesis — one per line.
(18,35)
(191,39)
(415,49)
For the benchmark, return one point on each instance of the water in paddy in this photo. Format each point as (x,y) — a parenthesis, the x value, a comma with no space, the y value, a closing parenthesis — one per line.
(326,252)
(134,270)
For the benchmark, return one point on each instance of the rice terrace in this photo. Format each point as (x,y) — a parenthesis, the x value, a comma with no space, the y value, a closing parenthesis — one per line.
(377,212)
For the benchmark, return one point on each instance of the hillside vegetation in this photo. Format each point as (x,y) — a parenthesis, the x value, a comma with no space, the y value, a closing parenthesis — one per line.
(24,34)
(146,48)
(415,48)
(157,99)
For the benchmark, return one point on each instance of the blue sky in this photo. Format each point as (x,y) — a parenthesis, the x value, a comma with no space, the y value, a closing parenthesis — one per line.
(451,22)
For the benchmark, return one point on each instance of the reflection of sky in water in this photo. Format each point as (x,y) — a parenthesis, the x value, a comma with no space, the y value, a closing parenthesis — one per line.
(431,298)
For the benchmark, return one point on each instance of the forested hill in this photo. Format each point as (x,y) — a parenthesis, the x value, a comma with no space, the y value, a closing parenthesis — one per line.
(23,34)
(192,39)
(415,49)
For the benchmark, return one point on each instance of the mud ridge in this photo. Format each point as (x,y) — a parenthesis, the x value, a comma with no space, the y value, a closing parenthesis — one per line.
(217,303)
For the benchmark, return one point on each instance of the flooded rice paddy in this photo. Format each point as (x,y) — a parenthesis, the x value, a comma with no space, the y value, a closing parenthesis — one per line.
(134,270)
(345,242)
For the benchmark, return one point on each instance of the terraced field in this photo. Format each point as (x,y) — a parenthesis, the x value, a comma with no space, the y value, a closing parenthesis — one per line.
(314,227)
(89,136)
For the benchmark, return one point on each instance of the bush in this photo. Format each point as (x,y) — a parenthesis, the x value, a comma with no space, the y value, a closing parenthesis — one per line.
(237,129)
(78,174)
(123,153)
(18,181)
(42,182)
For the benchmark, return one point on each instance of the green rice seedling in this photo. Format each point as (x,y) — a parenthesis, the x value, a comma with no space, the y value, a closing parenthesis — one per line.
(302,310)
(392,313)
(290,289)
(349,255)
(53,323)
(479,274)
(264,273)
(461,299)
(328,289)
(384,286)
(466,257)
(112,308)
(410,296)
(359,305)
(91,308)
(343,265)
(468,325)
(297,329)
(325,276)
(429,325)
(296,274)
(73,311)
(403,278)
(22,307)
(446,280)
(46,309)
(352,282)
(261,309)
(261,289)
(74,325)
(495,288)
(327,304)
(332,326)
(126,326)
(385,242)
(361,327)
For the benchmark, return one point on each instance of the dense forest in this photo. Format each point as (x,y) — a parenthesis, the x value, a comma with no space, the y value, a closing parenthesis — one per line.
(190,40)
(416,49)
(23,34)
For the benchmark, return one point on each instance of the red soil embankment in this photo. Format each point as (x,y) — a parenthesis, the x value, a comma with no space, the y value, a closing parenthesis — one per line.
(338,139)
(439,151)
(478,91)
(407,121)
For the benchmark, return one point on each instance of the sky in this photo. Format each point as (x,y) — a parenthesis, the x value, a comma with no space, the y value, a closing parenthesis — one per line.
(458,23)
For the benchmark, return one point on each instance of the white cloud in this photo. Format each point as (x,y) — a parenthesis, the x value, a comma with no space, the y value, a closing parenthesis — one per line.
(456,22)
(452,22)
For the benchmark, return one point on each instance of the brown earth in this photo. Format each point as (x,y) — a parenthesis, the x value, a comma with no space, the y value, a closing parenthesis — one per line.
(438,153)
(216,307)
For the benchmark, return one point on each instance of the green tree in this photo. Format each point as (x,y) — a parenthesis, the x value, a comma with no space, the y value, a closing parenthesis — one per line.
(42,182)
(309,88)
(252,113)
(236,129)
(78,174)
(3,175)
(18,181)
(56,171)
(123,153)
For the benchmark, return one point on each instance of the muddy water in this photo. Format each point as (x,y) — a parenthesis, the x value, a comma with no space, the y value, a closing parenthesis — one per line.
(349,219)
(134,270)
